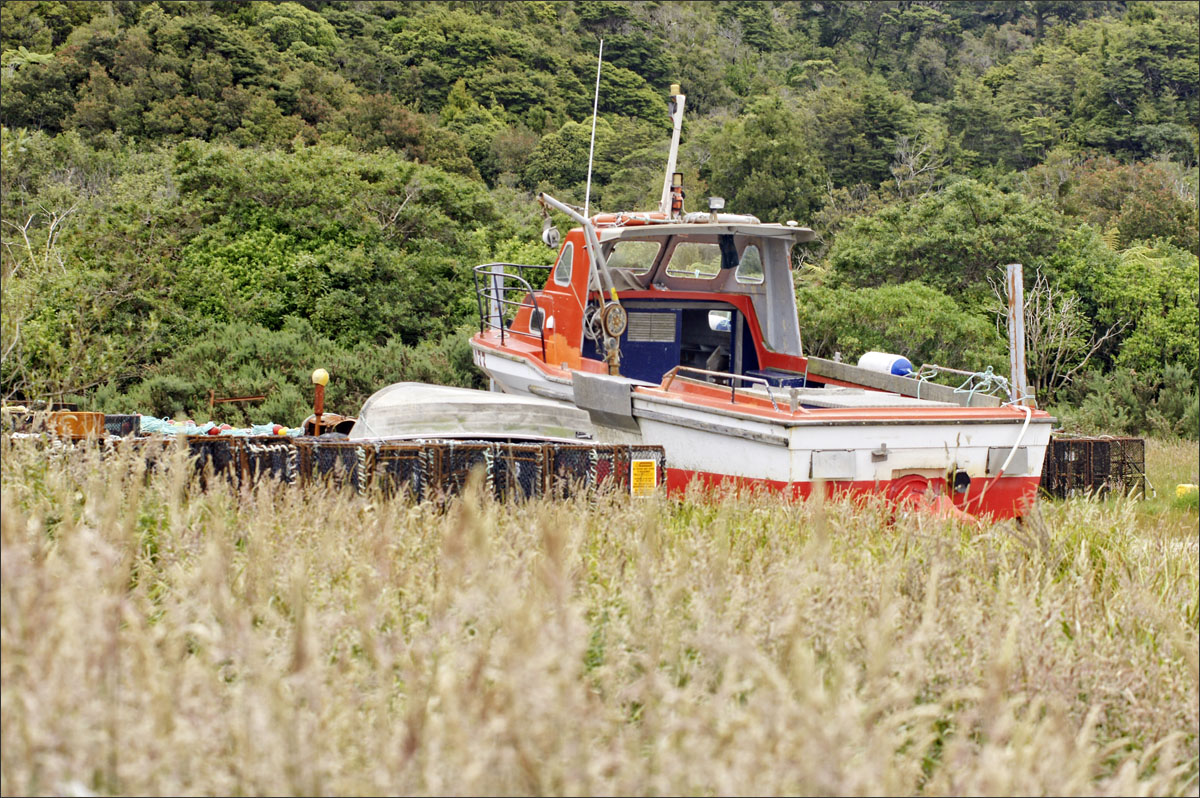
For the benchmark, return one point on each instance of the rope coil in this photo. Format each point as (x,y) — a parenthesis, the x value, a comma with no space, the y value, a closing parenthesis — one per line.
(360,469)
(489,459)
(983,383)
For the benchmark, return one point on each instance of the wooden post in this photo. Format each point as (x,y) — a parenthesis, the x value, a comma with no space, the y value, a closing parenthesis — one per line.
(1018,383)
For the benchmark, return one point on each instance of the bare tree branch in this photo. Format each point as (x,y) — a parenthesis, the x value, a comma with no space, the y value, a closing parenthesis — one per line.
(1055,347)
(916,166)
(387,212)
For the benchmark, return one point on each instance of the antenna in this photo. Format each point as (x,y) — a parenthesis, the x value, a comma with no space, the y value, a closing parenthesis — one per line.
(587,197)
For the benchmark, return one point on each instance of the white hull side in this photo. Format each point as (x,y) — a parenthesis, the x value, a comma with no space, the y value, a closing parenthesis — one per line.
(702,440)
(925,448)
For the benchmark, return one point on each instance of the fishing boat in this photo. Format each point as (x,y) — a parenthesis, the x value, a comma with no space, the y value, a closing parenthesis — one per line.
(680,329)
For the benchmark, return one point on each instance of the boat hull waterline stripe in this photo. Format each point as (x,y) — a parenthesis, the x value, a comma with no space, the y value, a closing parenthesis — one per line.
(1003,497)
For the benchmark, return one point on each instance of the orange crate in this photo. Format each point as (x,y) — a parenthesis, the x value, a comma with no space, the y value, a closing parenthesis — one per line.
(77,425)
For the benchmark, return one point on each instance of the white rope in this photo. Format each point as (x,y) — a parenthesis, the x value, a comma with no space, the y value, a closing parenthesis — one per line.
(1007,460)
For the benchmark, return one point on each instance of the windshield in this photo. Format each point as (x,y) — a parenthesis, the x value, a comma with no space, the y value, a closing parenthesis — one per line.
(634,256)
(695,260)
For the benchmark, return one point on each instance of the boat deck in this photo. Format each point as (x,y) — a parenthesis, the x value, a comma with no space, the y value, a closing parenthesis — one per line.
(820,405)
(836,397)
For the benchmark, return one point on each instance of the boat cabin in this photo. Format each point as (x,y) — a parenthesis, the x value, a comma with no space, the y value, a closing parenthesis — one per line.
(708,296)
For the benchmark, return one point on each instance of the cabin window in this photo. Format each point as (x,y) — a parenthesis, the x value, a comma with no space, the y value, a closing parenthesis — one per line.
(636,256)
(750,267)
(566,260)
(698,261)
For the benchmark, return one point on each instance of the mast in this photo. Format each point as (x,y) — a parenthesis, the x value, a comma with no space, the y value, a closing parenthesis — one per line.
(675,109)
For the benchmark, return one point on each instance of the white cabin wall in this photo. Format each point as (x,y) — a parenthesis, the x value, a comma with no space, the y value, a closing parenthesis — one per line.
(781,328)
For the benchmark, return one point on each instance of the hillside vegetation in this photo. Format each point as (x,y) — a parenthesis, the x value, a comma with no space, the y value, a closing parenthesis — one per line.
(223,196)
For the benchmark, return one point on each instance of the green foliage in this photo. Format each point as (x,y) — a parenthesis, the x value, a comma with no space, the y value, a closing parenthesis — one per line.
(245,359)
(1138,201)
(40,95)
(67,329)
(367,246)
(379,121)
(1080,257)
(219,163)
(857,124)
(128,267)
(764,163)
(1148,292)
(1156,288)
(1126,402)
(1127,85)
(561,158)
(295,29)
(909,319)
(42,25)
(953,240)
(982,131)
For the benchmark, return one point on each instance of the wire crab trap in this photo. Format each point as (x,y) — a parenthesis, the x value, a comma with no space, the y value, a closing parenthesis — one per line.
(1094,466)
(424,469)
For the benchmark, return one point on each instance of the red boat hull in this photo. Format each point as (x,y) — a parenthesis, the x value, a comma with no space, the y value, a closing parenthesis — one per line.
(995,498)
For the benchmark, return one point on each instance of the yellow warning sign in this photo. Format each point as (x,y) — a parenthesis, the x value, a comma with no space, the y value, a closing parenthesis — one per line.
(643,477)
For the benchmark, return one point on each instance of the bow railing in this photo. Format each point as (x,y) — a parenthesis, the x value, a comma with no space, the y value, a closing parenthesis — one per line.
(493,285)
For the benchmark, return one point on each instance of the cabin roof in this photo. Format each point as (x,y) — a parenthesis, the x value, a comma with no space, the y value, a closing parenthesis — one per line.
(796,234)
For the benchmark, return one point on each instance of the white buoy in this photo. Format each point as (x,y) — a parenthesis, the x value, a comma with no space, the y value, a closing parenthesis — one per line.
(886,363)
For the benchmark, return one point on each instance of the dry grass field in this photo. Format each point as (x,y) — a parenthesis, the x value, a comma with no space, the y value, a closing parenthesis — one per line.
(160,640)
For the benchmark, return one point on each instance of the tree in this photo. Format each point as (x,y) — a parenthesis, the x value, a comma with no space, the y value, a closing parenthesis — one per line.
(560,160)
(42,25)
(952,240)
(858,124)
(1138,200)
(765,164)
(1148,291)
(1156,288)
(41,94)
(1060,341)
(64,327)
(292,27)
(911,319)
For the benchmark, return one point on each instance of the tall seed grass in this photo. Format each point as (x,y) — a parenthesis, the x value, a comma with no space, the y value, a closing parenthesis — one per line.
(160,640)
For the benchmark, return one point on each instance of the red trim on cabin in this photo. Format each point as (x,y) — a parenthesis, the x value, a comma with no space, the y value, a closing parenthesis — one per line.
(531,350)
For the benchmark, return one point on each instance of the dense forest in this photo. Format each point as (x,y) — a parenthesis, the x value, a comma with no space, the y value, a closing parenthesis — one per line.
(223,196)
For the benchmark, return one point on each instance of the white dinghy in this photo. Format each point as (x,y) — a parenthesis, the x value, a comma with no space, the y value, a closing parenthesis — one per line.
(416,411)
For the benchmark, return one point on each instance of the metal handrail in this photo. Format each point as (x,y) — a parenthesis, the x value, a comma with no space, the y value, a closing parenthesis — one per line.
(669,378)
(496,293)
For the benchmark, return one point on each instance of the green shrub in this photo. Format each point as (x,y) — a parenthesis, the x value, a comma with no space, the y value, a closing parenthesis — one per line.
(246,359)
(911,319)
(1126,402)
(954,240)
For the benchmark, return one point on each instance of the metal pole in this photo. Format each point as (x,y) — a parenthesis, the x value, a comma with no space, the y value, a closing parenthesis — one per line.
(495,297)
(320,378)
(675,106)
(1018,384)
(589,236)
